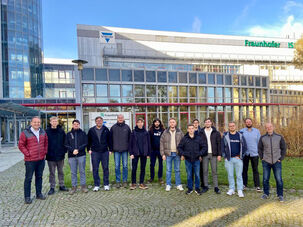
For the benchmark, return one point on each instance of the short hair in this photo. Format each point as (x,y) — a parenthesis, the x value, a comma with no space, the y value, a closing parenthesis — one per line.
(119,115)
(77,121)
(196,120)
(190,125)
(53,118)
(139,119)
(98,117)
(248,118)
(172,118)
(208,119)
(36,117)
(232,122)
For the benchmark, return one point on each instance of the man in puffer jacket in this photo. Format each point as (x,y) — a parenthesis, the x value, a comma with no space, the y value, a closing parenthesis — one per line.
(192,148)
(33,144)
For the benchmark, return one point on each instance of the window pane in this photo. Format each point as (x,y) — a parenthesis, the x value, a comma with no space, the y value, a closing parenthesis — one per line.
(162,77)
(172,77)
(162,93)
(183,91)
(202,78)
(227,95)
(192,78)
(219,94)
(139,91)
(193,92)
(151,91)
(88,90)
(182,77)
(150,76)
(127,90)
(211,94)
(258,82)
(127,75)
(88,74)
(251,81)
(243,95)
(101,89)
(114,90)
(101,74)
(114,75)
(228,79)
(235,80)
(211,78)
(264,82)
(220,79)
(202,94)
(243,81)
(139,76)
(172,91)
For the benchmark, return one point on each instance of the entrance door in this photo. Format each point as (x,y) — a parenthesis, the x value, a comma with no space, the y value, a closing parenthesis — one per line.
(140,115)
(11,129)
(184,121)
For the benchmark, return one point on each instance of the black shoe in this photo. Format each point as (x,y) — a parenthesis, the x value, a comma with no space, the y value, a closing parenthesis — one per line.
(63,188)
(41,196)
(28,200)
(188,192)
(198,191)
(217,190)
(51,191)
(205,189)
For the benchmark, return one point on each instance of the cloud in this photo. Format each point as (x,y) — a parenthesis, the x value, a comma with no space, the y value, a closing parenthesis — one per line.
(292,5)
(244,12)
(196,25)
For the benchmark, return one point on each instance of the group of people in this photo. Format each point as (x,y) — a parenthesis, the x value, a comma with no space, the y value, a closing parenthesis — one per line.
(199,147)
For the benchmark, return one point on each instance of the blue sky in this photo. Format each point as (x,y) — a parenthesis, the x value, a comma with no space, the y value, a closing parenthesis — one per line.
(275,18)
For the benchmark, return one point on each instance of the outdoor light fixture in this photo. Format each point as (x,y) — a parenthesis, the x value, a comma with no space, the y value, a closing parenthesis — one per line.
(80,63)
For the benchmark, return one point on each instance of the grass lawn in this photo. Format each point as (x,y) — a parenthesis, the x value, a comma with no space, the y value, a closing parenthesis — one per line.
(292,169)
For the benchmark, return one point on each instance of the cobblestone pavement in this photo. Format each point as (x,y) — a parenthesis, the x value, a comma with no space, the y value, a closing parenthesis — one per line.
(9,156)
(152,207)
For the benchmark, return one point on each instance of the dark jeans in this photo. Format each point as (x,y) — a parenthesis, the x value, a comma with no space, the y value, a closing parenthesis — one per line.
(277,169)
(189,167)
(201,174)
(32,167)
(52,165)
(153,158)
(254,163)
(134,168)
(102,157)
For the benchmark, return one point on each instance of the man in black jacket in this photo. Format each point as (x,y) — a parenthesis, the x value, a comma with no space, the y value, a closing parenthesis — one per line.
(192,148)
(55,155)
(75,143)
(212,137)
(98,144)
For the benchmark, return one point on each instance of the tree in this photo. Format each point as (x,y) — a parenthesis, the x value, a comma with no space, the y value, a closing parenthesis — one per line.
(298,58)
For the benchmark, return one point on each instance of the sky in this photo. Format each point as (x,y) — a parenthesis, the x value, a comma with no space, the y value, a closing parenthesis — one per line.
(268,18)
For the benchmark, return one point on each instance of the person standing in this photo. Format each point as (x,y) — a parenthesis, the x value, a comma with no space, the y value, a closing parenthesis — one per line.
(169,142)
(155,133)
(212,137)
(191,149)
(252,136)
(120,135)
(56,154)
(272,151)
(98,144)
(33,144)
(233,148)
(139,148)
(75,143)
(197,127)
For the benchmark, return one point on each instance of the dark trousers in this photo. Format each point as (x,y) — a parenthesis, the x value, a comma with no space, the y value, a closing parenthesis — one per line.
(102,157)
(277,169)
(134,168)
(52,165)
(153,158)
(201,174)
(254,163)
(32,167)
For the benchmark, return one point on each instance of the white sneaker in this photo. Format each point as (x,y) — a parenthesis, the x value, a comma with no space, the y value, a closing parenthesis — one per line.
(96,188)
(230,192)
(180,188)
(106,187)
(240,193)
(168,187)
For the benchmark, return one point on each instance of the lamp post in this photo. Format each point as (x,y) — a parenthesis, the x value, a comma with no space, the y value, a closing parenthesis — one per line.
(80,64)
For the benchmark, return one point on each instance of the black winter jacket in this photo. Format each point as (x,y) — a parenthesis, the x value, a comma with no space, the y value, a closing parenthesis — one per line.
(120,135)
(76,139)
(93,141)
(133,143)
(56,149)
(215,139)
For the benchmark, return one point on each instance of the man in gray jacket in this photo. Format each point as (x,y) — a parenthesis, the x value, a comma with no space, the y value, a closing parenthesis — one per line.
(120,135)
(272,150)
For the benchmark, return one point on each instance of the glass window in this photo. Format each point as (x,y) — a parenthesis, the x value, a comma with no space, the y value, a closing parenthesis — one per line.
(127,75)
(139,91)
(251,81)
(183,91)
(220,79)
(114,74)
(235,95)
(219,94)
(139,76)
(127,90)
(151,91)
(227,95)
(88,74)
(172,77)
(192,78)
(114,90)
(101,74)
(88,90)
(172,91)
(251,95)
(182,77)
(211,78)
(210,94)
(235,80)
(258,82)
(150,76)
(202,78)
(202,94)
(162,76)
(228,79)
(243,95)
(264,82)
(101,89)
(193,92)
(162,93)
(243,81)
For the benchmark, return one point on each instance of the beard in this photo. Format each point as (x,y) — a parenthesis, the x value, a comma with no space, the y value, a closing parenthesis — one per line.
(248,126)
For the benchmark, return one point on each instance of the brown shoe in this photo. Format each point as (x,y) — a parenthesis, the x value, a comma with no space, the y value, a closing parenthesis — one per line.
(73,190)
(125,185)
(150,181)
(133,187)
(84,189)
(161,181)
(143,186)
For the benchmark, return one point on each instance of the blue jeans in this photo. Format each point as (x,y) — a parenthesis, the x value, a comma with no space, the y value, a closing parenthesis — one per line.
(169,162)
(153,158)
(189,167)
(234,163)
(32,167)
(277,169)
(117,156)
(73,163)
(102,157)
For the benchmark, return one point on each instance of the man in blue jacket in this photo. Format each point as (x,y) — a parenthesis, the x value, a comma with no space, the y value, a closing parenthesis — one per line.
(98,145)
(233,148)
